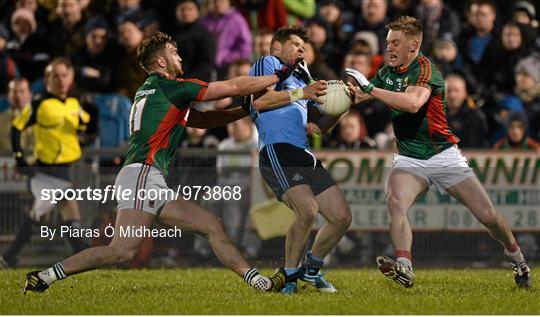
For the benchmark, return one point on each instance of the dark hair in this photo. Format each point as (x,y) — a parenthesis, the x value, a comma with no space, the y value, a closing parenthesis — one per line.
(178,2)
(406,24)
(149,47)
(283,34)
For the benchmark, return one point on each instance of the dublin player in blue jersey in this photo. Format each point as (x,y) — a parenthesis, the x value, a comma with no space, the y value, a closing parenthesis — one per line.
(289,167)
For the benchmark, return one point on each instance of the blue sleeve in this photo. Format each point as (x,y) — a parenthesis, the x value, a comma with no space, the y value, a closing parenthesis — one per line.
(265,65)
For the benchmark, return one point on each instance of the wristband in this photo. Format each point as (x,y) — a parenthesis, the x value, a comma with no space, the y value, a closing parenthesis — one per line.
(296,94)
(368,88)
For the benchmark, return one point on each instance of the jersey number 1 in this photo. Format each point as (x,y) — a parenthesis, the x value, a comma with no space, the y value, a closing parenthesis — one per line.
(135,116)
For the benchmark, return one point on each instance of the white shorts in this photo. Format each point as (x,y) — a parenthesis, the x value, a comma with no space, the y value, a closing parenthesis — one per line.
(40,182)
(142,187)
(444,170)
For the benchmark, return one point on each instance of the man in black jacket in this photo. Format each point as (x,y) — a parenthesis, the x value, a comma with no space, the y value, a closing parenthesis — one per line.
(467,122)
(196,45)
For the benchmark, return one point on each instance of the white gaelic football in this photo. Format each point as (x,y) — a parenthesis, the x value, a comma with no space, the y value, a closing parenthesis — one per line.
(337,99)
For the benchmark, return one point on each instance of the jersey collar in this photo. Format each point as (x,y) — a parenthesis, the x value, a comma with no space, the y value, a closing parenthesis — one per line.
(405,69)
(158,74)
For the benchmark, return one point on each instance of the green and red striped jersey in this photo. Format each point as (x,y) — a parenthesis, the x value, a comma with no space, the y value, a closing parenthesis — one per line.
(158,118)
(425,133)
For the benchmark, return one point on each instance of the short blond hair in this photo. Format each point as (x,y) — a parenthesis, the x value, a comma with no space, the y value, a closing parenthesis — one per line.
(410,26)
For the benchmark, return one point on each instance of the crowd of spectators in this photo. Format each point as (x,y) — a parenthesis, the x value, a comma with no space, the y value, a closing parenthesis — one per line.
(488,51)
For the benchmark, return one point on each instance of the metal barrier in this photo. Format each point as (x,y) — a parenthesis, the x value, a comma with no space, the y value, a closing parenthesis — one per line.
(445,233)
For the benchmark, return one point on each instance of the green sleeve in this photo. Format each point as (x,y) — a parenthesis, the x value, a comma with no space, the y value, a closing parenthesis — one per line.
(182,92)
(424,75)
(301,8)
(377,80)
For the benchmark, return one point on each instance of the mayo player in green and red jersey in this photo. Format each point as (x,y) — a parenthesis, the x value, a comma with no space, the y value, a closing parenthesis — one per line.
(159,115)
(414,90)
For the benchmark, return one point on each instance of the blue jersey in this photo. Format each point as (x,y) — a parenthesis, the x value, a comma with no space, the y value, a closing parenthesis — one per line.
(286,124)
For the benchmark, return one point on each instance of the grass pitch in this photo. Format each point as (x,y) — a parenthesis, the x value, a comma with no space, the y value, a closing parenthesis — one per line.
(218,291)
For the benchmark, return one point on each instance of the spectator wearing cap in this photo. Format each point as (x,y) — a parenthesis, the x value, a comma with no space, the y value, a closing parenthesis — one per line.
(28,48)
(437,20)
(129,75)
(527,89)
(127,9)
(446,55)
(367,42)
(8,68)
(40,13)
(524,12)
(464,118)
(516,135)
(374,19)
(196,45)
(66,34)
(232,33)
(94,67)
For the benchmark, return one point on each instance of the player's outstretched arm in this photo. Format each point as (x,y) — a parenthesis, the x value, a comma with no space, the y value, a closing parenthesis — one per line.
(239,86)
(213,118)
(411,100)
(247,85)
(275,99)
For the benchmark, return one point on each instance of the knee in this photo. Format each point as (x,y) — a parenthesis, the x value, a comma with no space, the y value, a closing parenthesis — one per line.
(490,218)
(342,219)
(308,212)
(346,219)
(215,226)
(122,254)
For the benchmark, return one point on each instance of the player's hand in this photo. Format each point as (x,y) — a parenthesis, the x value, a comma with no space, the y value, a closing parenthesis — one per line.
(246,104)
(362,81)
(303,73)
(312,128)
(287,69)
(315,90)
(22,167)
(357,95)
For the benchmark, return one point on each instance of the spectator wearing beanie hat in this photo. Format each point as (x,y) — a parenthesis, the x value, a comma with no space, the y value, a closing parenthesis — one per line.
(516,135)
(94,67)
(524,13)
(28,48)
(527,89)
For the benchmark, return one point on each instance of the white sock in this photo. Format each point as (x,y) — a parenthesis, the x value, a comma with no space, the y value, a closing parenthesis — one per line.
(516,256)
(52,274)
(405,262)
(249,275)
